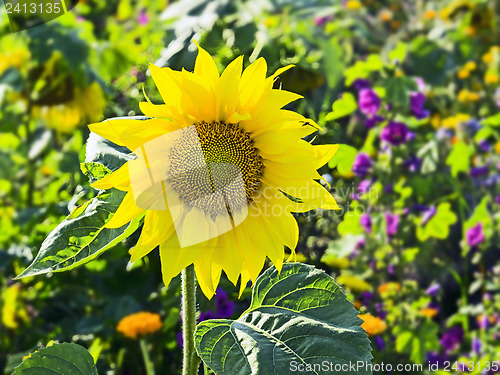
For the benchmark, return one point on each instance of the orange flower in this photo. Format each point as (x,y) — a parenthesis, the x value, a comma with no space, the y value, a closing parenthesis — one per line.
(389,287)
(139,324)
(372,325)
(429,312)
(357,304)
(429,14)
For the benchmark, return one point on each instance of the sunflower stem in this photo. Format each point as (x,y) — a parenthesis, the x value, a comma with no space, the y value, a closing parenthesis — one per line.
(191,361)
(150,370)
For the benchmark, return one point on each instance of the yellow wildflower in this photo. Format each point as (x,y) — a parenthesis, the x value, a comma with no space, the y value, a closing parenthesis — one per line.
(470,66)
(491,78)
(497,147)
(465,96)
(224,153)
(487,57)
(46,170)
(354,283)
(353,4)
(463,73)
(139,324)
(373,325)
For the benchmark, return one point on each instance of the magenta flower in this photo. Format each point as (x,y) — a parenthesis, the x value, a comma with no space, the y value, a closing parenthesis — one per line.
(392,223)
(417,101)
(369,102)
(143,18)
(475,235)
(395,133)
(362,164)
(366,222)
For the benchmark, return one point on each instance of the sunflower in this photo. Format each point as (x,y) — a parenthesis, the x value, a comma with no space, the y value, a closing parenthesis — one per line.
(218,169)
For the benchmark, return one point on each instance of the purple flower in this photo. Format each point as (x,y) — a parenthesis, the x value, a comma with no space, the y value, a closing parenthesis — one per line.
(366,297)
(224,307)
(436,358)
(475,235)
(484,321)
(180,340)
(369,102)
(320,21)
(364,186)
(143,18)
(413,163)
(361,84)
(428,214)
(479,171)
(391,269)
(497,199)
(484,145)
(433,290)
(371,121)
(206,315)
(380,343)
(417,101)
(388,188)
(379,307)
(392,223)
(452,338)
(362,164)
(472,126)
(366,222)
(395,133)
(476,345)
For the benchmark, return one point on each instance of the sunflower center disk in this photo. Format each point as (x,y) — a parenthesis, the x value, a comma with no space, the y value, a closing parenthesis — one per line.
(215,167)
(205,175)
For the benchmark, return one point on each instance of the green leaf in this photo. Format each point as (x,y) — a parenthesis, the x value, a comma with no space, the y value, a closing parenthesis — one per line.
(399,53)
(493,121)
(65,358)
(342,107)
(398,89)
(459,158)
(297,317)
(438,226)
(94,171)
(343,160)
(418,342)
(81,236)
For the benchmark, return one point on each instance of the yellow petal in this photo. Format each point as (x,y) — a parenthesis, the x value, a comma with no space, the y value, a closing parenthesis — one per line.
(119,179)
(324,153)
(278,141)
(227,89)
(132,133)
(174,258)
(168,83)
(205,67)
(125,212)
(158,227)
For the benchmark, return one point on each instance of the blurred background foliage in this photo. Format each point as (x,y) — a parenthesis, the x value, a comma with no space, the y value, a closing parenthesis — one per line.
(411,88)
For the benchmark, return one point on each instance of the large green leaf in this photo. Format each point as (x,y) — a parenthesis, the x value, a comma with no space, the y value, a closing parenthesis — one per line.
(81,236)
(298,317)
(65,358)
